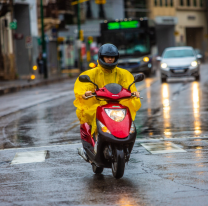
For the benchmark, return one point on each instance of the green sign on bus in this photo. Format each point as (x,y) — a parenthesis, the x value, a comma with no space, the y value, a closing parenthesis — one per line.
(123,25)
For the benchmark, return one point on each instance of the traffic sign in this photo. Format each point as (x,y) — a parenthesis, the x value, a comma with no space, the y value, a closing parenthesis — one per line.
(28,42)
(13,25)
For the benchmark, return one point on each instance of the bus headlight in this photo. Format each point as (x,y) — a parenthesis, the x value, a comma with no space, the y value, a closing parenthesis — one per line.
(116,114)
(194,63)
(164,65)
(146,59)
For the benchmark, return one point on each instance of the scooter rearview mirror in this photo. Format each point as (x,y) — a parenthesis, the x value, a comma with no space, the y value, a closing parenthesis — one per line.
(137,78)
(86,78)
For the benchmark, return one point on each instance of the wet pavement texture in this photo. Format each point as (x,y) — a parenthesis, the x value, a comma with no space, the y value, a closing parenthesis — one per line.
(44,120)
(65,179)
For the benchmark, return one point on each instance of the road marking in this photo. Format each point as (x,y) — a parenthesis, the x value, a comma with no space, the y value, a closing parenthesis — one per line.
(162,147)
(29,157)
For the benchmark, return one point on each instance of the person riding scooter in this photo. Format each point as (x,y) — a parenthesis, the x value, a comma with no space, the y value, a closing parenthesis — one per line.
(106,72)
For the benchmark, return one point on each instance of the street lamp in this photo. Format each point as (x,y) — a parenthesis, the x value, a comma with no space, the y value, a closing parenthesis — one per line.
(43,41)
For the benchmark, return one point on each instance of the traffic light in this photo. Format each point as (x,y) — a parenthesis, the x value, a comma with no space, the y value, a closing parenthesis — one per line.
(81,35)
(90,39)
(100,1)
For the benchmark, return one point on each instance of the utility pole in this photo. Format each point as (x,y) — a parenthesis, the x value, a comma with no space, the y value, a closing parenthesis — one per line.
(43,42)
(79,29)
(12,69)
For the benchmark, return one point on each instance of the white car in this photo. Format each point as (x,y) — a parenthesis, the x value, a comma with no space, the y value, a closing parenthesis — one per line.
(179,62)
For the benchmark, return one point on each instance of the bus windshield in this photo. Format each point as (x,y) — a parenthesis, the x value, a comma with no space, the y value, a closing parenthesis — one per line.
(131,43)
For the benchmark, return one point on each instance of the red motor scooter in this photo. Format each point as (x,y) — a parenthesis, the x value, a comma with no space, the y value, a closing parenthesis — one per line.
(116,130)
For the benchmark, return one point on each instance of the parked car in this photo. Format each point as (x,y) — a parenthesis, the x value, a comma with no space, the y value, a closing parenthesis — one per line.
(179,62)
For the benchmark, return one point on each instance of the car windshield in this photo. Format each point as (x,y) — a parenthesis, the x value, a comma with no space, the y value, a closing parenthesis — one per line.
(180,53)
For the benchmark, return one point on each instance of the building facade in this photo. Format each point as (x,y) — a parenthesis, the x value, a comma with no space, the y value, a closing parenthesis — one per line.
(181,22)
(7,56)
(25,38)
(57,13)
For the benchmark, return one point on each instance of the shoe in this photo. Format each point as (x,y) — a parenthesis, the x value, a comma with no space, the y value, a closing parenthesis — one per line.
(83,154)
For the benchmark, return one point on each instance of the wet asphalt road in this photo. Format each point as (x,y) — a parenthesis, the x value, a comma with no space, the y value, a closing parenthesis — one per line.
(44,119)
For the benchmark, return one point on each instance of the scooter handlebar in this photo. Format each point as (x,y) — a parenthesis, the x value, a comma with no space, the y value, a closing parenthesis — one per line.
(133,95)
(90,96)
(94,95)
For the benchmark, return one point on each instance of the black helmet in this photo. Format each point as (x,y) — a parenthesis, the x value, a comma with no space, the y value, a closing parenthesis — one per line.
(108,50)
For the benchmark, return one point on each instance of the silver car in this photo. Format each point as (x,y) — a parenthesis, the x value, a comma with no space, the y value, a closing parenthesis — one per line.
(179,62)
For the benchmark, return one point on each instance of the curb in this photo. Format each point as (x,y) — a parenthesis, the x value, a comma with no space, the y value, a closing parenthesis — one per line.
(16,88)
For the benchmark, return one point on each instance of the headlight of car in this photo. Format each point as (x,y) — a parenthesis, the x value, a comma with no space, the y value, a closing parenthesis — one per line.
(116,114)
(164,65)
(132,129)
(103,127)
(194,63)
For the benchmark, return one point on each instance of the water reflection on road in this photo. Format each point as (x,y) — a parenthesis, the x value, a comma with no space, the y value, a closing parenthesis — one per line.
(166,109)
(196,105)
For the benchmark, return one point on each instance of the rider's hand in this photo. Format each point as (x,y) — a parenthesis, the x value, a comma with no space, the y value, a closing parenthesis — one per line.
(137,94)
(87,93)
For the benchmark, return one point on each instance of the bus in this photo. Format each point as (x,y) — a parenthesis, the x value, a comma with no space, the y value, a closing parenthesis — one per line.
(135,40)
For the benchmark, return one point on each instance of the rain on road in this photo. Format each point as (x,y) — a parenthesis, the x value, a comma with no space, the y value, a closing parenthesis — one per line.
(168,165)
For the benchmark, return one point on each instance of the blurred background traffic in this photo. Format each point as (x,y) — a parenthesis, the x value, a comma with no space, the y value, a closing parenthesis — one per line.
(46,38)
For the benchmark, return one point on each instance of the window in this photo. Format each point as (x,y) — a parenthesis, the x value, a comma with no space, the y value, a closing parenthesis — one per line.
(181,2)
(155,2)
(201,3)
(195,3)
(161,2)
(188,3)
(166,2)
(171,2)
(129,43)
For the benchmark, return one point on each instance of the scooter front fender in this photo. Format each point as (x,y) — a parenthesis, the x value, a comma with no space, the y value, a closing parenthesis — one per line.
(112,139)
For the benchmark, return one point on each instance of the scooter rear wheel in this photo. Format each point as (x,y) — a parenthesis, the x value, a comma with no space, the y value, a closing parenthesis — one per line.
(97,170)
(118,165)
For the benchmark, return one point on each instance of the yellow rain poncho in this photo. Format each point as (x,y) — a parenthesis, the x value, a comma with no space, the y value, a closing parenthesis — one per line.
(86,109)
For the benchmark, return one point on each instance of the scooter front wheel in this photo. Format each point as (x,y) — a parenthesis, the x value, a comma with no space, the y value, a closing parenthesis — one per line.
(118,165)
(97,170)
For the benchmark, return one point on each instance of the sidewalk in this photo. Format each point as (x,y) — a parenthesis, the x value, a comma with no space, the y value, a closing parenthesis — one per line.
(16,85)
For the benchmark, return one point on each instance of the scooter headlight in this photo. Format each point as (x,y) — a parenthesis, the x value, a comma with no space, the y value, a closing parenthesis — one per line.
(104,128)
(132,129)
(116,114)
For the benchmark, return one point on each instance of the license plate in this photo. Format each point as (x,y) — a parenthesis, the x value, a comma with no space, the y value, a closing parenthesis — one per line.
(179,71)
